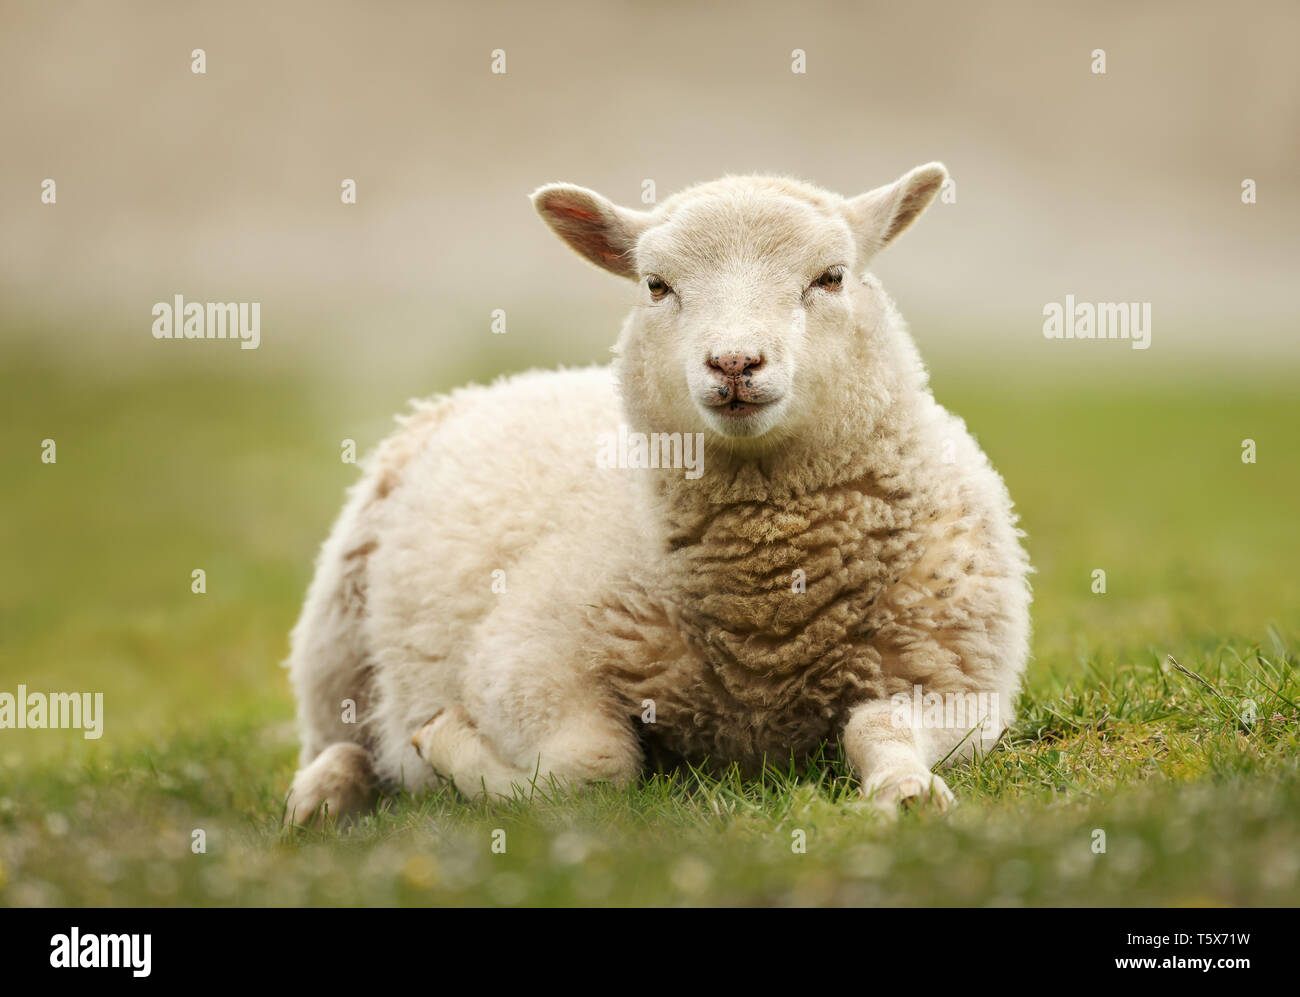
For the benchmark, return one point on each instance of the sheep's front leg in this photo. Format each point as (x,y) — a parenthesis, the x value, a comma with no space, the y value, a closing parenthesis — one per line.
(535,719)
(456,751)
(892,757)
(580,751)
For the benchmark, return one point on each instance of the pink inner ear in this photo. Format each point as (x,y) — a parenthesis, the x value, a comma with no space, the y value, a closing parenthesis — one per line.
(591,228)
(573,209)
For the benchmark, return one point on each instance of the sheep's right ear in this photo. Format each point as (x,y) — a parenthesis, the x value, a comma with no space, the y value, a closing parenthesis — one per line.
(596,228)
(879,216)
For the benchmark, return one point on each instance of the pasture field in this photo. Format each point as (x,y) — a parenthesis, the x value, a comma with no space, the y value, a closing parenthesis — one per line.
(1159,718)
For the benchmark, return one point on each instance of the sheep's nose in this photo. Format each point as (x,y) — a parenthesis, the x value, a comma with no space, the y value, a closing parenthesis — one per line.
(736,363)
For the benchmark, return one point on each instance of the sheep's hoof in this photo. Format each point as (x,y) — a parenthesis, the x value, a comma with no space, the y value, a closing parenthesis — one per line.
(419,740)
(912,792)
(336,787)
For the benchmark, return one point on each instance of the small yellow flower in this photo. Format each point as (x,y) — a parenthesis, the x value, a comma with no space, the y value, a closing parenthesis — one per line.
(421,872)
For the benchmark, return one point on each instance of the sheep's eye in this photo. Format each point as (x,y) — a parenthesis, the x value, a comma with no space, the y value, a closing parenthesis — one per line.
(831,280)
(658,287)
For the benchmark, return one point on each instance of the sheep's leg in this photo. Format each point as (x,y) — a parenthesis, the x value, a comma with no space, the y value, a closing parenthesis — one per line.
(455,750)
(330,671)
(953,635)
(534,720)
(330,662)
(892,757)
(338,783)
(578,753)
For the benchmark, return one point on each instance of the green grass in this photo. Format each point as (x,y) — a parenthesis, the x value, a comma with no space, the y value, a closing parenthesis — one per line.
(164,471)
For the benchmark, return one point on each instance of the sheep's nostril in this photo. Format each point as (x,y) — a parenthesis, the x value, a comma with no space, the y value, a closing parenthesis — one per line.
(736,363)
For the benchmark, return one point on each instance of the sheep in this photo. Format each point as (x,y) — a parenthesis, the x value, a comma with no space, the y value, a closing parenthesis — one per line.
(501,612)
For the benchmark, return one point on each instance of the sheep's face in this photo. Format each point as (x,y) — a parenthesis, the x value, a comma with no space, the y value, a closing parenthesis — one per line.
(741,291)
(748,316)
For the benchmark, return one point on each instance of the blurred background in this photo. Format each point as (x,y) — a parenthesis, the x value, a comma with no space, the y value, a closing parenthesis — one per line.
(172,456)
(225,186)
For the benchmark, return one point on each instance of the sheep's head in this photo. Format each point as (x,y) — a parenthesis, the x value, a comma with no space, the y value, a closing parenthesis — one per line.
(749,323)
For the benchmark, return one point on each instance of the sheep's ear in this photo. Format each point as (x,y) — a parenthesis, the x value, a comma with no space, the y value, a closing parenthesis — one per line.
(879,215)
(596,228)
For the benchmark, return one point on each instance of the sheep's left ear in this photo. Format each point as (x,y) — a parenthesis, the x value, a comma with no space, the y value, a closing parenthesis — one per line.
(879,215)
(593,226)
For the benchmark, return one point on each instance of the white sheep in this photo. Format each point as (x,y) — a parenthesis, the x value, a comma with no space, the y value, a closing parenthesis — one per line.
(843,562)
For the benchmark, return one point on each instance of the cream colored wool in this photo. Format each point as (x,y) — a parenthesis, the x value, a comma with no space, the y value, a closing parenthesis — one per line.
(620,587)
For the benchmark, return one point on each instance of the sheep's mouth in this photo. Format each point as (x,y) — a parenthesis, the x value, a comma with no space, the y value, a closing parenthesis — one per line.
(739,419)
(736,409)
